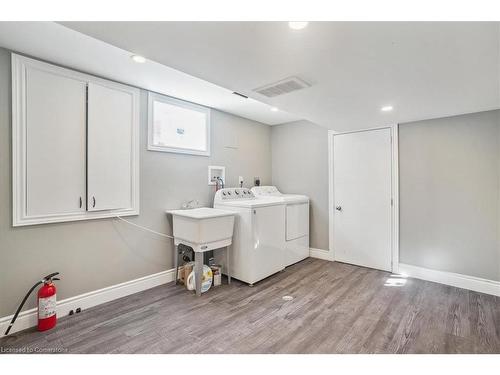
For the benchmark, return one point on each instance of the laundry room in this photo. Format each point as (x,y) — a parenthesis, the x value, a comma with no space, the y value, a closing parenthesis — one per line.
(262,186)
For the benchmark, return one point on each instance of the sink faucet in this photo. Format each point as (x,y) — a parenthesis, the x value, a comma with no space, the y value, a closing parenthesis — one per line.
(221,181)
(193,203)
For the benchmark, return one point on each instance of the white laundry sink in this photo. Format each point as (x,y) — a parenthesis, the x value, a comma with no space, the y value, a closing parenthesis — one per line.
(203,228)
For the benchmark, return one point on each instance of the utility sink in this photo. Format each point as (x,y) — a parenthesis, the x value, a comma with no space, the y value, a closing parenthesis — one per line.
(203,228)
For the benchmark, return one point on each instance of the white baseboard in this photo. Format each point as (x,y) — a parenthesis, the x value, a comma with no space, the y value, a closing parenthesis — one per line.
(28,318)
(320,254)
(454,279)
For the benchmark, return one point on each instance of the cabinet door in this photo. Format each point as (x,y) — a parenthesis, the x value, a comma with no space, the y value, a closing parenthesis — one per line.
(112,115)
(269,240)
(297,221)
(55,144)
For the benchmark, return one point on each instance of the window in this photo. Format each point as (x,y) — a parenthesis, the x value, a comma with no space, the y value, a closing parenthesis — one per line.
(178,126)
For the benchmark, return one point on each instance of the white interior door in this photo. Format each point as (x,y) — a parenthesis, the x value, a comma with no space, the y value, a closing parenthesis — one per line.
(55,144)
(362,165)
(110,147)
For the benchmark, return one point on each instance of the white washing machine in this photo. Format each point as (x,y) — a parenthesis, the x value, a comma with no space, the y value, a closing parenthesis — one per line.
(296,222)
(258,248)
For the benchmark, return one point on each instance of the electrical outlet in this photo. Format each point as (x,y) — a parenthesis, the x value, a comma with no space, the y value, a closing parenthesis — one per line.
(240,180)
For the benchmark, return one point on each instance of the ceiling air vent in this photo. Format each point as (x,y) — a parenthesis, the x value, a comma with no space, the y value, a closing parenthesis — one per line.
(282,87)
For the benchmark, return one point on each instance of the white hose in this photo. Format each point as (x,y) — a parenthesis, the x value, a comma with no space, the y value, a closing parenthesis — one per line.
(144,228)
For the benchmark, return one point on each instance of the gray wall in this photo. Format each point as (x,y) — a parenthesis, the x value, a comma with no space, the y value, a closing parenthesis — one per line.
(449,194)
(300,165)
(94,254)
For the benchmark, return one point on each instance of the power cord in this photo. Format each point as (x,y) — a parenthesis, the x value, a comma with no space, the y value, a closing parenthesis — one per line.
(144,228)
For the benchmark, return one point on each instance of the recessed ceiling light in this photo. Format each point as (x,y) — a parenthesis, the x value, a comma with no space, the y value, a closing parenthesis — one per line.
(297,25)
(387,108)
(274,109)
(138,59)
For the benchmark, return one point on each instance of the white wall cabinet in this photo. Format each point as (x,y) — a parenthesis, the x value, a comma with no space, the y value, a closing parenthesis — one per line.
(75,143)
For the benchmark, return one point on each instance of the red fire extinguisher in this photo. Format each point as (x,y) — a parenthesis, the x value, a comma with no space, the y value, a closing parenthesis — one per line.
(47,318)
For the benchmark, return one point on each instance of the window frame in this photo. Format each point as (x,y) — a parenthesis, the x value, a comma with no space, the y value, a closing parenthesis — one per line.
(154,97)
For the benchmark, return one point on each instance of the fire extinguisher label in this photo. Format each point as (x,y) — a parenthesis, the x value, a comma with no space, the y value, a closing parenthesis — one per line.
(46,307)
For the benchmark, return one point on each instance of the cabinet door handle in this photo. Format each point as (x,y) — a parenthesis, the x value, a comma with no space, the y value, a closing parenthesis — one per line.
(80,202)
(93,201)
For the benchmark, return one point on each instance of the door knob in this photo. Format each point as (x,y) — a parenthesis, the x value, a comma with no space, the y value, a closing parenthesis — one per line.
(338,208)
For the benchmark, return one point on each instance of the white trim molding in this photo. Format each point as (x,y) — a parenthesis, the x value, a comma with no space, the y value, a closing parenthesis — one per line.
(476,284)
(395,196)
(331,196)
(28,318)
(321,254)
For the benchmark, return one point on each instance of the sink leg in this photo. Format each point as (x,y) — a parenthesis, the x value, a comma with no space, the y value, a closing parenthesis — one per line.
(176,263)
(198,271)
(228,267)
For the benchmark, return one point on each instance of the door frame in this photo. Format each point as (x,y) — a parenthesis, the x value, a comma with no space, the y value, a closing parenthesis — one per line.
(394,189)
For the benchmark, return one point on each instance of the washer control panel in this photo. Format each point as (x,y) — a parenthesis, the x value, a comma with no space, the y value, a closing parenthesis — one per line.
(233,194)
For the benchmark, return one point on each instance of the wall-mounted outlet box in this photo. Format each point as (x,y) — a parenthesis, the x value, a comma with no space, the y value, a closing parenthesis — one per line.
(240,181)
(214,172)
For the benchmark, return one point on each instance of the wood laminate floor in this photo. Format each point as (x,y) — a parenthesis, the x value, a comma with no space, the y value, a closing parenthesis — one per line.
(337,308)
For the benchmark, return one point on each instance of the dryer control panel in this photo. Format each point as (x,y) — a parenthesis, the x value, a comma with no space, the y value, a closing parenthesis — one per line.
(266,191)
(233,194)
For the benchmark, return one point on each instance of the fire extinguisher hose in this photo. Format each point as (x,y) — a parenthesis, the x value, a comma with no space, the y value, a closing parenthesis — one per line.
(45,279)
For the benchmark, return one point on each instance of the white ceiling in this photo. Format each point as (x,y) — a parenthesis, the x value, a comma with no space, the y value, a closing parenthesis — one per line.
(60,45)
(423,69)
